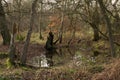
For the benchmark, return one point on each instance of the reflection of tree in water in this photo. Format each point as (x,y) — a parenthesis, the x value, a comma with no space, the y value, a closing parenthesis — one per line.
(49,57)
(60,54)
(53,57)
(44,60)
(63,56)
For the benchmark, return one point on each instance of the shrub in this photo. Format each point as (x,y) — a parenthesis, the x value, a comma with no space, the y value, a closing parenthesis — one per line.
(20,37)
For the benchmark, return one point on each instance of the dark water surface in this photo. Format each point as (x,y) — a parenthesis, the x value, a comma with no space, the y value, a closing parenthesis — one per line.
(65,56)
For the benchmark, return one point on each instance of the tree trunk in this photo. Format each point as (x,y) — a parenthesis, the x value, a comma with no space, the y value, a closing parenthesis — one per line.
(108,26)
(12,49)
(61,28)
(117,20)
(41,23)
(25,48)
(19,16)
(3,26)
(73,25)
(96,35)
(96,32)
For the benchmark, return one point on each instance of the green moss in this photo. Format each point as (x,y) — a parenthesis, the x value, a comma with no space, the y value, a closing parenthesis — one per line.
(3,55)
(26,68)
(9,64)
(71,70)
(20,37)
(10,78)
(1,78)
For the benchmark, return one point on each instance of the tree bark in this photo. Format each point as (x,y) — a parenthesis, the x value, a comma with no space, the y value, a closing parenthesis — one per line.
(19,15)
(108,26)
(61,29)
(12,48)
(12,51)
(25,48)
(96,35)
(73,25)
(41,23)
(3,26)
(95,32)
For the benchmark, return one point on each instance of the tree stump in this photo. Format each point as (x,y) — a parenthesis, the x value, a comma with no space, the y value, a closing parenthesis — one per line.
(49,42)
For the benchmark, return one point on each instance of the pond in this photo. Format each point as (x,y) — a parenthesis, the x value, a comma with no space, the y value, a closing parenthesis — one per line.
(69,56)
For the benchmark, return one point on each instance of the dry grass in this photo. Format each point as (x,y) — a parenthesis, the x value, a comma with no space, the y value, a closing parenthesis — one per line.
(57,74)
(112,72)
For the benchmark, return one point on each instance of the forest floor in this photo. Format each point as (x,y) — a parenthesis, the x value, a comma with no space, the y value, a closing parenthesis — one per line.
(108,71)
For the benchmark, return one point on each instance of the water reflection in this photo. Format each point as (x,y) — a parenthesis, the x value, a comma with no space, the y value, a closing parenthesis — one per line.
(67,56)
(43,61)
(40,61)
(52,58)
(49,57)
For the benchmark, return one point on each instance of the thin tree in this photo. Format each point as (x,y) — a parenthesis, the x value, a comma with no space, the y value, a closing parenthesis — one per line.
(62,21)
(25,48)
(19,14)
(73,25)
(108,26)
(12,48)
(41,23)
(61,28)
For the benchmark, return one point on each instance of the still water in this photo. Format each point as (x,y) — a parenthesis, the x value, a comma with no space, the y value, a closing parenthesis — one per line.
(65,56)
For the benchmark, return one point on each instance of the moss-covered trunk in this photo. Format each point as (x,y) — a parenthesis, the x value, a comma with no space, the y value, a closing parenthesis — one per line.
(3,26)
